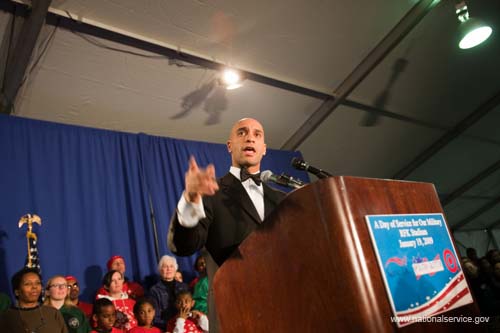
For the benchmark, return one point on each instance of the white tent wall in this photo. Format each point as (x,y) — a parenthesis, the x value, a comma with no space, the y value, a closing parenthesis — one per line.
(426,112)
(478,239)
(496,237)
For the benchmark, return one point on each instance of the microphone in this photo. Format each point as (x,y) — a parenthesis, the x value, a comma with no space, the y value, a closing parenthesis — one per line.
(282,179)
(300,164)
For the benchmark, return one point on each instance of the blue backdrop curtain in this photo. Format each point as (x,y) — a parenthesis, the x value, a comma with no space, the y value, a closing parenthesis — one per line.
(87,187)
(97,193)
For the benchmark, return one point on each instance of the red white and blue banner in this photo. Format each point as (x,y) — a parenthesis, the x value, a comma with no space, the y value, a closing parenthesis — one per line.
(419,265)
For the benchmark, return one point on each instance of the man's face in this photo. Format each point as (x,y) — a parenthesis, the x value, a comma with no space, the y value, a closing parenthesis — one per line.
(118,265)
(167,271)
(74,289)
(246,144)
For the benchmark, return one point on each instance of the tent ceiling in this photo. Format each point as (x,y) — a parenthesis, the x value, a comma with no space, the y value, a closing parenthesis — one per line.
(110,64)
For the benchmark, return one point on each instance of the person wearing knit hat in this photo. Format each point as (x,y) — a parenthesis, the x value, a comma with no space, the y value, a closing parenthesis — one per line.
(116,261)
(133,289)
(74,294)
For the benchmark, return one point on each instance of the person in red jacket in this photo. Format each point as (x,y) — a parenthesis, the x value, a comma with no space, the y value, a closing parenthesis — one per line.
(132,289)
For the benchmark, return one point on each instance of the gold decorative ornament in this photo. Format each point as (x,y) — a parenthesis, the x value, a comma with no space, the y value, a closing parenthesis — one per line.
(29,219)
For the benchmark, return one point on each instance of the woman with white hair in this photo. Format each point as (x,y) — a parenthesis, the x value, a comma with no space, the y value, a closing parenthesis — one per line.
(164,293)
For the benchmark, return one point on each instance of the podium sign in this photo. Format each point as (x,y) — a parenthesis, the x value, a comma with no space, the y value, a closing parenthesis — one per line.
(419,265)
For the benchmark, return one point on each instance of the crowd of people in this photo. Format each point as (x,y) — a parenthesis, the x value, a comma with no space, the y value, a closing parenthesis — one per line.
(483,276)
(120,305)
(206,217)
(213,214)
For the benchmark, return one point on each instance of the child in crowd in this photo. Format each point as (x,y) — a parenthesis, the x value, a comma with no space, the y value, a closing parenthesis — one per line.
(104,315)
(187,320)
(144,312)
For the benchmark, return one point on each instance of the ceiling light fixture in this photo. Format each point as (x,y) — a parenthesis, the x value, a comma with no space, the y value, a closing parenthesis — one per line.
(231,78)
(473,31)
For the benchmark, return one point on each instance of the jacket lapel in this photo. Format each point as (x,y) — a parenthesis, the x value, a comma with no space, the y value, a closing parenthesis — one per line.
(233,188)
(271,199)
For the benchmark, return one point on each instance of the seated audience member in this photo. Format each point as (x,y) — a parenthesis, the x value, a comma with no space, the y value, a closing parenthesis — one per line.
(493,256)
(187,320)
(56,295)
(4,302)
(200,286)
(29,315)
(494,326)
(178,276)
(200,266)
(480,288)
(104,315)
(485,267)
(485,271)
(144,311)
(113,284)
(165,291)
(472,255)
(133,289)
(74,294)
(495,280)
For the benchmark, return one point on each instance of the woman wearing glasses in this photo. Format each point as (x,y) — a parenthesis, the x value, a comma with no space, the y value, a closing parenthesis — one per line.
(56,294)
(28,316)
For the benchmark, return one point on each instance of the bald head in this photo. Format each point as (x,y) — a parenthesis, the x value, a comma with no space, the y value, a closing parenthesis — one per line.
(246,144)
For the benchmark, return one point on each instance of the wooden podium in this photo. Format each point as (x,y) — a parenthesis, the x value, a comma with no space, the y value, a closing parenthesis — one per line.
(311,266)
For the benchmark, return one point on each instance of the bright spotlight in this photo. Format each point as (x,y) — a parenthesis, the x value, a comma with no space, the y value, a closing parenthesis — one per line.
(231,79)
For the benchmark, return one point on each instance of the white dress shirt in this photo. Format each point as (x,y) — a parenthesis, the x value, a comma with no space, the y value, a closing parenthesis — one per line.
(190,213)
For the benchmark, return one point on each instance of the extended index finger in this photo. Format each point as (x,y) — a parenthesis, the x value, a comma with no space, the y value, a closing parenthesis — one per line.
(193,166)
(211,170)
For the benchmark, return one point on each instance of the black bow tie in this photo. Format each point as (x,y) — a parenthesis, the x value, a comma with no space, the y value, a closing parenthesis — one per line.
(244,175)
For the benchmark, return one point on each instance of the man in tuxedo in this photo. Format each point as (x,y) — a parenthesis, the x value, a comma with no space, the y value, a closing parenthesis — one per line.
(219,215)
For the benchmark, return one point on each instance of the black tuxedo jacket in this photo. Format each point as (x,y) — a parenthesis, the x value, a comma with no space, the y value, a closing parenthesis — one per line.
(230,218)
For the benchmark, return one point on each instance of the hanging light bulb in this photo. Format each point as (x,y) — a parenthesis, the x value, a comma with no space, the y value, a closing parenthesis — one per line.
(472,31)
(231,79)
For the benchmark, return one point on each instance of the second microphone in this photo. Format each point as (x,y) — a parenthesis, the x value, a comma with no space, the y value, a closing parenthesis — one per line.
(282,179)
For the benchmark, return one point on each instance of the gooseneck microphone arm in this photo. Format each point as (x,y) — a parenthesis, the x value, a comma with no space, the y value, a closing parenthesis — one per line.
(283,179)
(300,164)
